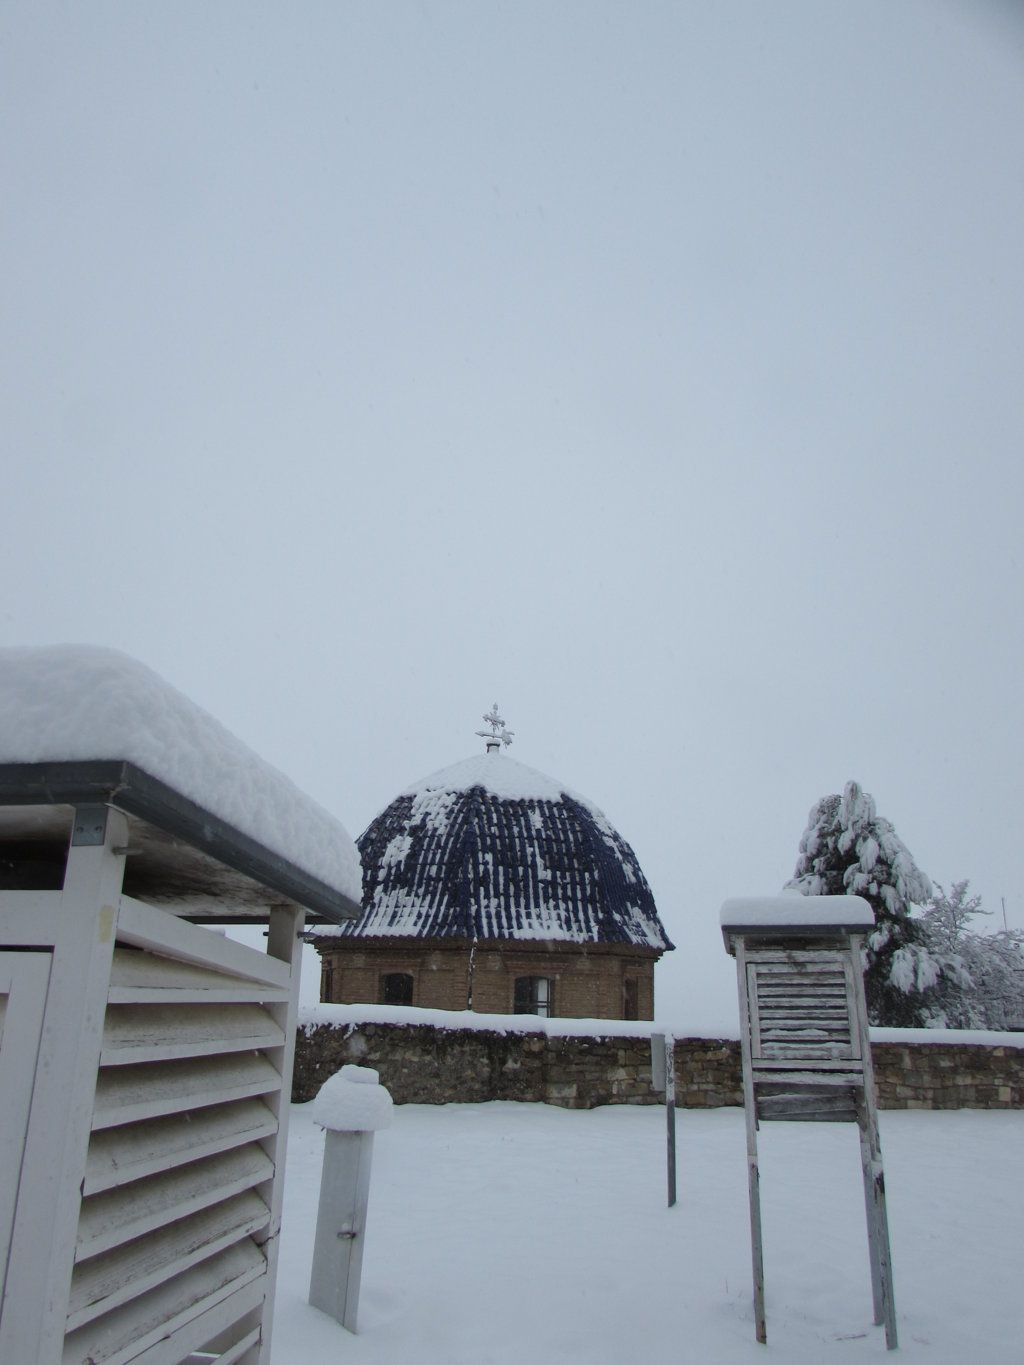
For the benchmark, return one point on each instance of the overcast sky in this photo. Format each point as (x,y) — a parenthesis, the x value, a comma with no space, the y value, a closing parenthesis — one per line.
(654,369)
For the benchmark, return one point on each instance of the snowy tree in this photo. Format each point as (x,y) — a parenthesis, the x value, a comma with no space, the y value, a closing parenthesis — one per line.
(989,992)
(849,849)
(948,914)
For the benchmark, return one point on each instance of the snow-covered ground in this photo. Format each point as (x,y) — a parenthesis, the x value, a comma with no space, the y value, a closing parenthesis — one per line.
(503,1233)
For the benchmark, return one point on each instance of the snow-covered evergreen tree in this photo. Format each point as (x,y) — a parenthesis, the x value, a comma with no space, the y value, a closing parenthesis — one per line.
(849,849)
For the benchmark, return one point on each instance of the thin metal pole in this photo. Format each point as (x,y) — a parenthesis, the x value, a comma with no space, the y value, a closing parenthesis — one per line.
(670,1114)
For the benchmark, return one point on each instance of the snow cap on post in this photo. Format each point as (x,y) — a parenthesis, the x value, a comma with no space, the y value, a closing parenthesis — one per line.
(791,915)
(353,1101)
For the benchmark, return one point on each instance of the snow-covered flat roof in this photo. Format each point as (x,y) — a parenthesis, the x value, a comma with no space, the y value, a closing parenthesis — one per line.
(796,912)
(82,719)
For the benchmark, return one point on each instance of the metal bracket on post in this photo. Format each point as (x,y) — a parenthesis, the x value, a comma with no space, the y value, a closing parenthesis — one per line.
(90,828)
(351,1106)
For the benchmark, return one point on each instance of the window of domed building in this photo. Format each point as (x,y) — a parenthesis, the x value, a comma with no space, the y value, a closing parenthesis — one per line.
(491,887)
(396,988)
(533,995)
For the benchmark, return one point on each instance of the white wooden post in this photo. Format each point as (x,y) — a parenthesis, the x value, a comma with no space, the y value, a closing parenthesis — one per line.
(284,942)
(753,1170)
(879,1249)
(351,1106)
(37,1286)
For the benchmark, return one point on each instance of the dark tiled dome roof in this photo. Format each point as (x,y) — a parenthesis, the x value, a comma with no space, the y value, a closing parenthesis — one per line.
(490,849)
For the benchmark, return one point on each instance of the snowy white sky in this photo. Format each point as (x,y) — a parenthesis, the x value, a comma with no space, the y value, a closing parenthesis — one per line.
(655,370)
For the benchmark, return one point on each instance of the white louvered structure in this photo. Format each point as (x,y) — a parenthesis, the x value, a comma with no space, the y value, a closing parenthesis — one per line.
(145,1069)
(806,1051)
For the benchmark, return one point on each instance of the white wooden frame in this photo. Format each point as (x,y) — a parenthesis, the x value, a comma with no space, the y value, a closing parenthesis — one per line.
(150,1062)
(814,1051)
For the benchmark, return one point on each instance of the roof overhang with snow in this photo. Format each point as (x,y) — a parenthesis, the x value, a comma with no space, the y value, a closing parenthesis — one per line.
(794,917)
(215,829)
(180,853)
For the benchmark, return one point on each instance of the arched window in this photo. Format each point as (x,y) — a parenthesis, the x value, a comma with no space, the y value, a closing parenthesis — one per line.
(396,988)
(327,982)
(533,995)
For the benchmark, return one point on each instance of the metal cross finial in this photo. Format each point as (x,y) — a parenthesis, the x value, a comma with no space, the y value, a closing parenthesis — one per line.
(497,733)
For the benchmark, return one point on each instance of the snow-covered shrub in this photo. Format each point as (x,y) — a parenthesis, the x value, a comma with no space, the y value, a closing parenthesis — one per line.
(989,992)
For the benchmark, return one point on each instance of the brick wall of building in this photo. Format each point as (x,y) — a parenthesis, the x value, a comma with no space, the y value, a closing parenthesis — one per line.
(589,982)
(423,1064)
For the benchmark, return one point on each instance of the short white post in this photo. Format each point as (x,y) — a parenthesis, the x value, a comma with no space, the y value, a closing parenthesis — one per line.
(351,1106)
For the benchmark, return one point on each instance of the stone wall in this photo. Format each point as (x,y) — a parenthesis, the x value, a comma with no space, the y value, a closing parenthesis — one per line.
(423,1064)
(948,1076)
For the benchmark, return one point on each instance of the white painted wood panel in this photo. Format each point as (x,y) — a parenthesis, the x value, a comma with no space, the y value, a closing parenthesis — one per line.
(128,1212)
(155,1033)
(234,1278)
(139,977)
(146,927)
(112,1279)
(284,943)
(118,1156)
(29,918)
(23,983)
(127,1094)
(42,1253)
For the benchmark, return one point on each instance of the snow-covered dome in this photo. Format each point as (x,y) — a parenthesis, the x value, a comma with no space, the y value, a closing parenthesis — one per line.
(489,849)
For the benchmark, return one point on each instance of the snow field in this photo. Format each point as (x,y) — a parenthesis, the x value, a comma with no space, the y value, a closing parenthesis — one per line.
(507,1232)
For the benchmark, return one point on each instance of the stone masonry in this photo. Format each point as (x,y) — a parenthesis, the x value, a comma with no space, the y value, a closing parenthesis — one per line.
(422,1064)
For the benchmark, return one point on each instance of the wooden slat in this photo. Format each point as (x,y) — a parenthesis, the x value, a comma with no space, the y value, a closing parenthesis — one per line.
(823,985)
(191,1308)
(156,1033)
(127,1094)
(228,1357)
(807,1051)
(809,1077)
(817,1064)
(139,977)
(781,1031)
(802,1003)
(160,932)
(807,1116)
(117,1216)
(797,1039)
(793,960)
(799,973)
(112,1279)
(118,1156)
(825,1096)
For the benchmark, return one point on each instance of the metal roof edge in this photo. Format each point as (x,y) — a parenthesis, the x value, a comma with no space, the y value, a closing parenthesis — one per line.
(119,783)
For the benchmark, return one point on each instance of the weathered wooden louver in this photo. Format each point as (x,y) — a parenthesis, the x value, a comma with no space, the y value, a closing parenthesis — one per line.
(145,1063)
(805,1048)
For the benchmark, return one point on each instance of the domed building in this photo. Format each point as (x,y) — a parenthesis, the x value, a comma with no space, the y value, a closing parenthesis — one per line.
(491,887)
